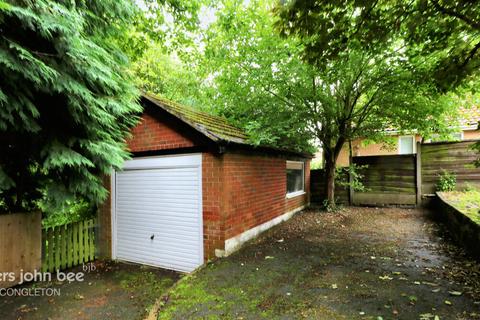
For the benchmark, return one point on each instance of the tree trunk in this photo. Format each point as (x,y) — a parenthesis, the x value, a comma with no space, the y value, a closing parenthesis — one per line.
(330,179)
(331,155)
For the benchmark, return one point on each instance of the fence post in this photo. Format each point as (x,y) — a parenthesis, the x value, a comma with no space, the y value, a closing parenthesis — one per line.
(418,173)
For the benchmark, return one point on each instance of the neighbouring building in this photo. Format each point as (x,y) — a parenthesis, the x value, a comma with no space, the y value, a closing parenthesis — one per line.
(468,129)
(195,189)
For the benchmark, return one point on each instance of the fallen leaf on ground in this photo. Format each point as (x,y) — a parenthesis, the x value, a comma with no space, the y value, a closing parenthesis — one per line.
(431,284)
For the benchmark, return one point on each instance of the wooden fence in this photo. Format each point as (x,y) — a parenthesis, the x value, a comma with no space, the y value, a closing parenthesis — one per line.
(20,245)
(454,157)
(68,245)
(317,188)
(406,179)
(387,179)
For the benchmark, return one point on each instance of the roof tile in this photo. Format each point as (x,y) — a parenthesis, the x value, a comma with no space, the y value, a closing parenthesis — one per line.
(215,127)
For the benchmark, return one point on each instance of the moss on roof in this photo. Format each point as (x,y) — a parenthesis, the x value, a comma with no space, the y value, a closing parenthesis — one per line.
(215,127)
(469,115)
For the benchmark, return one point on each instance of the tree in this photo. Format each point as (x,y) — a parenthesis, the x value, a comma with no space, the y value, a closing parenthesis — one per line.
(161,44)
(169,25)
(242,56)
(445,33)
(66,101)
(167,75)
(265,86)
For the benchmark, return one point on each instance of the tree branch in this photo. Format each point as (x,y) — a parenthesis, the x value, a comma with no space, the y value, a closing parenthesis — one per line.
(453,13)
(283,99)
(470,55)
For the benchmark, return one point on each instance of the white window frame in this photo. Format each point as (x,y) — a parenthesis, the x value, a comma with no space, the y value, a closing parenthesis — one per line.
(298,192)
(414,144)
(461,135)
(436,137)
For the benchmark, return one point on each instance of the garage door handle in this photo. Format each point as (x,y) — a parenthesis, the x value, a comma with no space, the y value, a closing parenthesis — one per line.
(152,237)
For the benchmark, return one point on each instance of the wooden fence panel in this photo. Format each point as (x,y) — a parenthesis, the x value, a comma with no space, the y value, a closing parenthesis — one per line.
(455,157)
(20,245)
(389,180)
(68,245)
(317,188)
(403,179)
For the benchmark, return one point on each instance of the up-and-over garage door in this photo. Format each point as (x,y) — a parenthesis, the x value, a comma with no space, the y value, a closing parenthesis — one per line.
(157,212)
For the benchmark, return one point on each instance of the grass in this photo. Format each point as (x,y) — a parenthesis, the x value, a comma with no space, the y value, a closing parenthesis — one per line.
(467,202)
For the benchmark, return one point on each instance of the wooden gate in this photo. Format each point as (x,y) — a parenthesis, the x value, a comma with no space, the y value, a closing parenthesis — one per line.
(68,245)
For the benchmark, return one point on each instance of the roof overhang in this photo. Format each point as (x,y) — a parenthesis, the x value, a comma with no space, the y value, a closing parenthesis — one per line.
(222,145)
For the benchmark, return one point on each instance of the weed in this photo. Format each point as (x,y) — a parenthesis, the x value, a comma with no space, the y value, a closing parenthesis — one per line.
(447,181)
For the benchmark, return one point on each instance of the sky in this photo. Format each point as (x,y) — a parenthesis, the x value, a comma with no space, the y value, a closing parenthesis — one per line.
(206,14)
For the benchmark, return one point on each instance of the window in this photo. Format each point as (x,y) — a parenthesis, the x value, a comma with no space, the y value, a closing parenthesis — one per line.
(406,144)
(457,136)
(295,178)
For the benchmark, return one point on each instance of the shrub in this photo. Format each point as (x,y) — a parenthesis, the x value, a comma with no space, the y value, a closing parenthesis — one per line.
(470,188)
(357,177)
(447,181)
(71,211)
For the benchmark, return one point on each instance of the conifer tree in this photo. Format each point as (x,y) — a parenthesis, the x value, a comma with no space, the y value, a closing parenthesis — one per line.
(66,102)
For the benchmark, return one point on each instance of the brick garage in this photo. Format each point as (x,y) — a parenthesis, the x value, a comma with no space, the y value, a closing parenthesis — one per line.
(243,188)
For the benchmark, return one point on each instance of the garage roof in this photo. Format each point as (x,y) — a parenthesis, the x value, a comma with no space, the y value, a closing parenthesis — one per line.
(216,128)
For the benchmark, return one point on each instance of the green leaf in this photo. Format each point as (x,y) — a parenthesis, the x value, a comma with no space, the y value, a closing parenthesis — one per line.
(4,6)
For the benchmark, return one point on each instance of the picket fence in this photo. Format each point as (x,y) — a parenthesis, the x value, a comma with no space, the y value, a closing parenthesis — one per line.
(68,245)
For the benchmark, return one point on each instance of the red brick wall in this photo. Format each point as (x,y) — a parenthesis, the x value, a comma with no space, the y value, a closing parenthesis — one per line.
(255,190)
(212,183)
(240,191)
(151,134)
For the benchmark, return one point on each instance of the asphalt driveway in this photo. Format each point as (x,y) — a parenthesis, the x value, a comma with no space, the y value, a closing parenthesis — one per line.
(362,263)
(111,291)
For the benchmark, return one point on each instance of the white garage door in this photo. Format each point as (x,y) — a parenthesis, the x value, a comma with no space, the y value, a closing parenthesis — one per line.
(158,212)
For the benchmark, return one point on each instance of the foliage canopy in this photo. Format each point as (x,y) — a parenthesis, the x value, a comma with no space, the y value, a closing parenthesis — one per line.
(445,33)
(264,83)
(294,74)
(66,102)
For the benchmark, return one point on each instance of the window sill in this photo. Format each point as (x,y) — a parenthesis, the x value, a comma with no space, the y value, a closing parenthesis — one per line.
(295,194)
